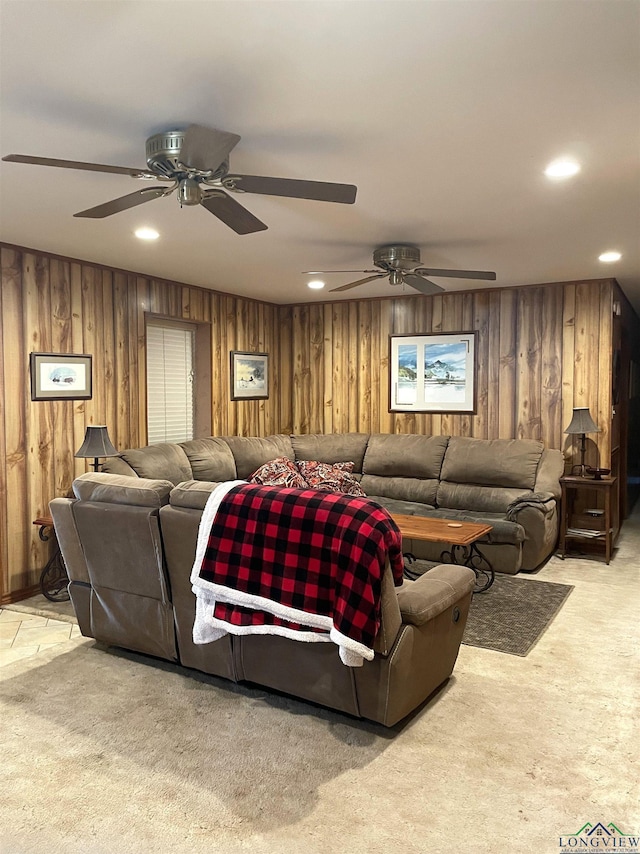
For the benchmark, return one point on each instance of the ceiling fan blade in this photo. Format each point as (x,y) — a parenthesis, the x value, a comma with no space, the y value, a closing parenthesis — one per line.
(291,188)
(323,272)
(206,148)
(359,282)
(423,285)
(232,213)
(123,203)
(455,274)
(76,164)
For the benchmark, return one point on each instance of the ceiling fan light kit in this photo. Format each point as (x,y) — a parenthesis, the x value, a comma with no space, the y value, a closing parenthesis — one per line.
(196,162)
(400,263)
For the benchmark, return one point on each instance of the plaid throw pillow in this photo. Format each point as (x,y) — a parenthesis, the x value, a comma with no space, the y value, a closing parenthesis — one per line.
(327,477)
(279,472)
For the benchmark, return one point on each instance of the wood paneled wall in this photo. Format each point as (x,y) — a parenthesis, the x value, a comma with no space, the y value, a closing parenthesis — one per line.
(541,351)
(48,304)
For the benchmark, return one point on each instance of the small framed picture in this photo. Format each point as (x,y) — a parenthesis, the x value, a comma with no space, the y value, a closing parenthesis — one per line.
(56,376)
(249,376)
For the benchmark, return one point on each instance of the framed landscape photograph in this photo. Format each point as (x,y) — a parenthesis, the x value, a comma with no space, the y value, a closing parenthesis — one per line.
(433,373)
(56,376)
(249,376)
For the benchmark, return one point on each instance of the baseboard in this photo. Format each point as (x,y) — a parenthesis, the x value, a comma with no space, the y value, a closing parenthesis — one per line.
(19,595)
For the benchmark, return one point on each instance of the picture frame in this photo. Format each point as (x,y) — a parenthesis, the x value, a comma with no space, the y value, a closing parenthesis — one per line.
(433,373)
(60,376)
(249,375)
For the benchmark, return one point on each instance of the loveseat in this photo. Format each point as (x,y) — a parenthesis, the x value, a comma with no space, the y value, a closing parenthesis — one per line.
(129,539)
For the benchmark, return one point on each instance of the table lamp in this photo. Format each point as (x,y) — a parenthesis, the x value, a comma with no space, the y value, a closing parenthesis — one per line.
(96,444)
(582,423)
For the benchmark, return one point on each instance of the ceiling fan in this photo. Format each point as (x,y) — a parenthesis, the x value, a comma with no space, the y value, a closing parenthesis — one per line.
(195,162)
(400,263)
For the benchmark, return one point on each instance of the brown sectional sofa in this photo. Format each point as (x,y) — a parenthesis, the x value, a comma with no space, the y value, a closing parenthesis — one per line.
(128,540)
(511,484)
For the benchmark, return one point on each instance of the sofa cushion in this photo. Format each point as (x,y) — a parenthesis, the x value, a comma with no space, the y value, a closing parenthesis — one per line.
(401,488)
(485,499)
(504,531)
(407,508)
(510,463)
(404,455)
(279,472)
(250,452)
(191,493)
(403,466)
(331,448)
(164,461)
(210,459)
(330,478)
(122,489)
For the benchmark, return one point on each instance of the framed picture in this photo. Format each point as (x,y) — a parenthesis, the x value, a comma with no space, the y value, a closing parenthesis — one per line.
(249,376)
(56,376)
(433,373)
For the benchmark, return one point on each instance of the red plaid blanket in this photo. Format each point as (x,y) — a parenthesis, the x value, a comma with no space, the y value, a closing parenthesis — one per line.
(295,562)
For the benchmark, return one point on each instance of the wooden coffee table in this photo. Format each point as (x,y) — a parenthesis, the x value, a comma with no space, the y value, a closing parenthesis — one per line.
(462,536)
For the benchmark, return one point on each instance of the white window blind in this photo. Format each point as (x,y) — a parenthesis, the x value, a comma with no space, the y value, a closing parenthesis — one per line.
(169,383)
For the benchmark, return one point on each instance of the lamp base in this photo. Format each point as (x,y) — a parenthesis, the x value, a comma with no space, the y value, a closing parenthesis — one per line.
(579,470)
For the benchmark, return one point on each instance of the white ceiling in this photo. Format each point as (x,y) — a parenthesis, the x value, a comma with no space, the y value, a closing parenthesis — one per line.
(444,113)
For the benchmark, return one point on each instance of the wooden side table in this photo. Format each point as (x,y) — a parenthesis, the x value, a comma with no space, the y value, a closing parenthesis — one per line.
(54,580)
(587,527)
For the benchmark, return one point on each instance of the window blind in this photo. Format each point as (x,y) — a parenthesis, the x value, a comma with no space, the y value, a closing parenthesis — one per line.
(169,383)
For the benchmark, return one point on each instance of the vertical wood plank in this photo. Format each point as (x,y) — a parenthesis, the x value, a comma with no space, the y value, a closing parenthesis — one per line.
(479,423)
(15,364)
(40,460)
(605,375)
(551,366)
(508,395)
(62,410)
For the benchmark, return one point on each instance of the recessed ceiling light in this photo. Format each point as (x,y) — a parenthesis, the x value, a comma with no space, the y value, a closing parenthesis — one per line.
(316,284)
(608,257)
(562,168)
(147,233)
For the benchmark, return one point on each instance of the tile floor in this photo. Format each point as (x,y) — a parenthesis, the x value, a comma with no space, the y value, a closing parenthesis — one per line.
(23,635)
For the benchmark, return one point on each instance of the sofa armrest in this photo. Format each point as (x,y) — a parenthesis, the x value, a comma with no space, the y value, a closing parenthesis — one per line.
(434,592)
(542,502)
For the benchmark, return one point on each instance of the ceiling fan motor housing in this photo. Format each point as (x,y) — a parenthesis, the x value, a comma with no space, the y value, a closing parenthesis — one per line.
(163,152)
(397,257)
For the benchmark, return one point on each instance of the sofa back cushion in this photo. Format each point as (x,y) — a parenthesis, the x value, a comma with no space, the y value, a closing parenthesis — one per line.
(250,452)
(510,463)
(210,459)
(331,448)
(163,461)
(192,493)
(403,466)
(121,489)
(487,474)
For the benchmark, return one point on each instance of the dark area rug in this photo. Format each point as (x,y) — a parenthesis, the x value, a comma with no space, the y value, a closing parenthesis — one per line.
(513,614)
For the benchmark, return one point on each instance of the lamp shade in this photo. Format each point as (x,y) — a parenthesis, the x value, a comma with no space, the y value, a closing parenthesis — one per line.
(582,422)
(96,443)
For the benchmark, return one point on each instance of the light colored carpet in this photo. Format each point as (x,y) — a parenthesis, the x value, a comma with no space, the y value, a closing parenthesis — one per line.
(105,754)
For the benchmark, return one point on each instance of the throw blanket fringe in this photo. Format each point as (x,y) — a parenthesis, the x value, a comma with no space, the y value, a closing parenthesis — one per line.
(223,602)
